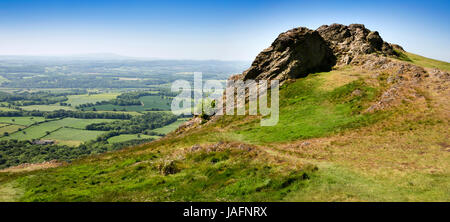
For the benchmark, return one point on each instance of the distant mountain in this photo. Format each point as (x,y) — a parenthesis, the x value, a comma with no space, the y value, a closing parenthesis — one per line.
(91,56)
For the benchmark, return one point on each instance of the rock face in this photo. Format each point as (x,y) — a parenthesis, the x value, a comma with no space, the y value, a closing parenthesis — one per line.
(301,51)
(350,41)
(293,54)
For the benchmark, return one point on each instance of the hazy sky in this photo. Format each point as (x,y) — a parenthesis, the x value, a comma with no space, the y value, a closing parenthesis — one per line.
(227,30)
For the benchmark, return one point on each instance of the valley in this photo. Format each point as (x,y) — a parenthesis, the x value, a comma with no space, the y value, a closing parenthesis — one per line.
(91,105)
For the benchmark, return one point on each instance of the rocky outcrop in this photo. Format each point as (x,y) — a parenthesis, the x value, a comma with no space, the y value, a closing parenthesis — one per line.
(293,54)
(301,51)
(351,41)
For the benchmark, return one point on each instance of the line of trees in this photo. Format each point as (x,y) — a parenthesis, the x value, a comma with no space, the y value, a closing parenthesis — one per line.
(68,113)
(137,124)
(38,98)
(14,152)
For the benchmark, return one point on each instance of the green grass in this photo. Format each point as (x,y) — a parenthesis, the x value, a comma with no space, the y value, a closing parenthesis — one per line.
(307,111)
(76,100)
(171,127)
(73,137)
(10,129)
(127,137)
(46,107)
(423,61)
(228,175)
(82,123)
(25,121)
(6,109)
(156,102)
(40,130)
(9,192)
(3,79)
(332,183)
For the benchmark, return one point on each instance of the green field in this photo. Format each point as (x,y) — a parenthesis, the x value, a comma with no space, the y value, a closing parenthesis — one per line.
(149,102)
(156,102)
(25,121)
(81,123)
(126,137)
(40,130)
(10,129)
(73,137)
(133,113)
(76,100)
(3,79)
(6,109)
(46,107)
(171,127)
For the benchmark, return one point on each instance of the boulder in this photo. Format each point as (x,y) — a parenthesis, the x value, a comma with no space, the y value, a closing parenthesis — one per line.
(350,41)
(294,54)
(301,51)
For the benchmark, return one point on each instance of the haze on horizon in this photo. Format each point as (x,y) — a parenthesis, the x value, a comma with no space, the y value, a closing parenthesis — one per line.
(228,30)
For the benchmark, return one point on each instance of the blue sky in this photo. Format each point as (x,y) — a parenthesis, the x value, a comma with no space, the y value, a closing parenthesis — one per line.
(226,30)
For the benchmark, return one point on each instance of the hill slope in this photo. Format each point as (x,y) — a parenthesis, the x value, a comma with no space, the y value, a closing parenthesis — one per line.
(374,128)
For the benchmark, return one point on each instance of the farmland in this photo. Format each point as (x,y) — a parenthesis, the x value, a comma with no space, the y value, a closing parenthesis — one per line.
(46,107)
(10,129)
(73,123)
(6,109)
(24,121)
(72,136)
(43,129)
(63,109)
(76,100)
(148,103)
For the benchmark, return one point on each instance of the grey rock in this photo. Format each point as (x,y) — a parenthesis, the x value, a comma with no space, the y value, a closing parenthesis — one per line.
(301,51)
(293,54)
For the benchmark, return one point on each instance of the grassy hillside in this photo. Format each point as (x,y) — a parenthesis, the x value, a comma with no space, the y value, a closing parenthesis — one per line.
(327,146)
(423,61)
(127,137)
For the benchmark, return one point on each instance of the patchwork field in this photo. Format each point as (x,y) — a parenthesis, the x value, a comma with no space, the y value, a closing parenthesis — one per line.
(126,137)
(82,123)
(76,100)
(149,102)
(133,113)
(25,121)
(6,109)
(46,107)
(41,130)
(73,137)
(3,79)
(156,102)
(10,129)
